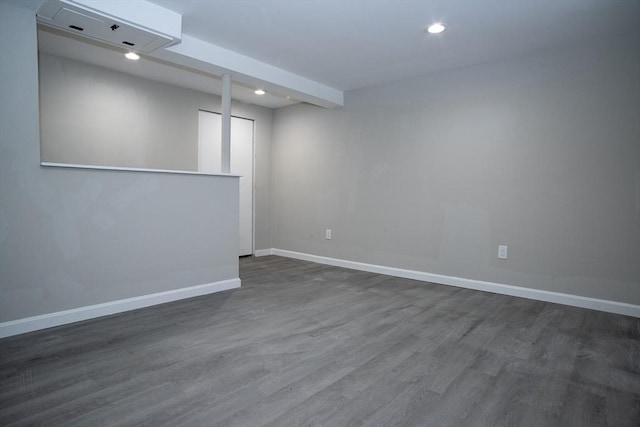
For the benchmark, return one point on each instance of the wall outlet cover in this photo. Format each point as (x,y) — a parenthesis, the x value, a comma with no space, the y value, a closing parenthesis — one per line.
(502,251)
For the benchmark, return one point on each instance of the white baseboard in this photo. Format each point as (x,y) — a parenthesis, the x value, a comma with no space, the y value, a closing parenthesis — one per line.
(497,288)
(263,252)
(30,324)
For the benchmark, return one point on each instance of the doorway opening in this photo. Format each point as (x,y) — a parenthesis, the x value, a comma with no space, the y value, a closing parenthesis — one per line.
(210,160)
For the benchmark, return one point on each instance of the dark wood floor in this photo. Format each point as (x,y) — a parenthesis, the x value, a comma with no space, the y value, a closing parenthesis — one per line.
(302,344)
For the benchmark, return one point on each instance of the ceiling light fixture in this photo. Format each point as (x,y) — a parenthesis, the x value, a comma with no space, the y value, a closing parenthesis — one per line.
(436,28)
(132,56)
(259,92)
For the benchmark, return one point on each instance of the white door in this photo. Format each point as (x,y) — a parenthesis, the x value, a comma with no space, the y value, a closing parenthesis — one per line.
(209,161)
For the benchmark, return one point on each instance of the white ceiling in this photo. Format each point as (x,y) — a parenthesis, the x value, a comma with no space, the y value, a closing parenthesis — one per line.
(349,44)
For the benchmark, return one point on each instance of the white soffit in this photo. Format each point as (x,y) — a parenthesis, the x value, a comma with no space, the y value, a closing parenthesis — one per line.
(207,57)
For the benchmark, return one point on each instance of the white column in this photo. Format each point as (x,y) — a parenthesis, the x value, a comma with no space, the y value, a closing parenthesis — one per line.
(226,123)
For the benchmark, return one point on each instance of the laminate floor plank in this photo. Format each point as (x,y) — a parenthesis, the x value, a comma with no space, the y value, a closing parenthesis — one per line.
(304,344)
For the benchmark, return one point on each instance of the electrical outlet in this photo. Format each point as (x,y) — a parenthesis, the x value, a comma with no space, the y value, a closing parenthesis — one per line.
(502,251)
(327,234)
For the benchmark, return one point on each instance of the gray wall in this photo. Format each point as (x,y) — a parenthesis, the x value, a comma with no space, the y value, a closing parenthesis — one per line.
(92,115)
(98,116)
(71,238)
(95,116)
(431,174)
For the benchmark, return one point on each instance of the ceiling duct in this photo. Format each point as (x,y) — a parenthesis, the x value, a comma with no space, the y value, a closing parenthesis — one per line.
(73,16)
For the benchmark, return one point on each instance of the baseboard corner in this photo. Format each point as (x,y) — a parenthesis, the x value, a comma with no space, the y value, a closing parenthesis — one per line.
(263,252)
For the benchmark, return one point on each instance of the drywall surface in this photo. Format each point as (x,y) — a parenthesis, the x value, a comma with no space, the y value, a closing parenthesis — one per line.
(95,116)
(92,115)
(431,174)
(71,238)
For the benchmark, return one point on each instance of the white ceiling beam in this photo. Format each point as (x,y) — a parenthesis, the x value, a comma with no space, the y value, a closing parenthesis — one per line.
(210,58)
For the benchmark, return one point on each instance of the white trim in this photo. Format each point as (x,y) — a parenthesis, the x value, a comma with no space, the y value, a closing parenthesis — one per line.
(253,188)
(50,320)
(116,168)
(264,252)
(498,288)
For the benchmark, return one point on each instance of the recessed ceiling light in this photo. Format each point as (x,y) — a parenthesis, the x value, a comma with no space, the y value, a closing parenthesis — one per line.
(132,56)
(259,92)
(436,28)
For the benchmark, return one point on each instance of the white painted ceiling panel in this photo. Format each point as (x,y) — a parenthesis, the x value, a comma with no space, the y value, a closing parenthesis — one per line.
(349,44)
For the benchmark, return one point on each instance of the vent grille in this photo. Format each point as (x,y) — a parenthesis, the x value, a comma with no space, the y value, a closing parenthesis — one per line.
(71,18)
